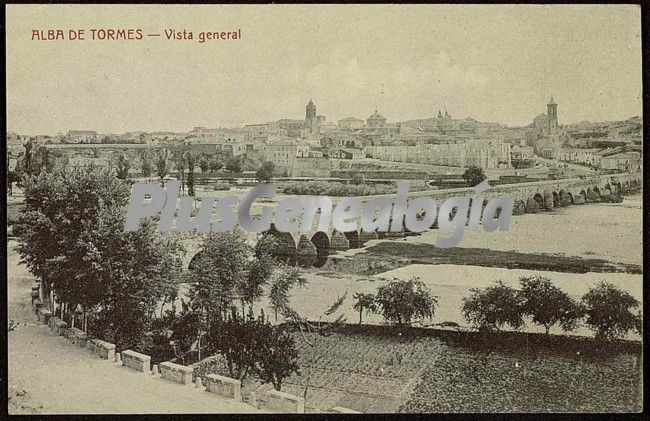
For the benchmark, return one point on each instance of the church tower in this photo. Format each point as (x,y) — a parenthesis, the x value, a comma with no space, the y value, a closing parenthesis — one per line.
(552,116)
(310,112)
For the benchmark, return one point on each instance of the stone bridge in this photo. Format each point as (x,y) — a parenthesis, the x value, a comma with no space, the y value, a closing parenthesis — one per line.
(313,249)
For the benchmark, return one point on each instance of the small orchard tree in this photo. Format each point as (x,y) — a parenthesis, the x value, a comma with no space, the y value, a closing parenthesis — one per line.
(365,302)
(610,311)
(547,304)
(473,175)
(402,302)
(264,173)
(493,307)
(276,357)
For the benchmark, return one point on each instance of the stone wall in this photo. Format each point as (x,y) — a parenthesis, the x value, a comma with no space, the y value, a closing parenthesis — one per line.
(176,372)
(224,386)
(284,402)
(136,361)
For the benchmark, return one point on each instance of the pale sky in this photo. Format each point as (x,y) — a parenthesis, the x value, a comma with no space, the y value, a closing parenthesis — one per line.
(494,63)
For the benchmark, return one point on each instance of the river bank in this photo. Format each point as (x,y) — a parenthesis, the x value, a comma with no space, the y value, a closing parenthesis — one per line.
(599,237)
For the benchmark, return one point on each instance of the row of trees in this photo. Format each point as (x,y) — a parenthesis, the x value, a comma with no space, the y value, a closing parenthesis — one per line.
(120,285)
(71,237)
(607,310)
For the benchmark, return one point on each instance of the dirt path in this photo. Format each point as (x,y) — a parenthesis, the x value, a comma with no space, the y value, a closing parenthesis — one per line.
(50,375)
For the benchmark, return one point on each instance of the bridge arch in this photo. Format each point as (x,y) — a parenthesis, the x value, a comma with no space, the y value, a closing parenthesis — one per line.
(322,243)
(353,238)
(194,260)
(287,247)
(566,198)
(539,199)
(556,199)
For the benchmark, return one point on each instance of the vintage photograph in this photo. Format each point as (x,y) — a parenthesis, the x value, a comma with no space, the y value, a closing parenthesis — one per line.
(324,209)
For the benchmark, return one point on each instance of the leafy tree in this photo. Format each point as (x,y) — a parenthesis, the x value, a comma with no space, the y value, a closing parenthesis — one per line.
(250,344)
(285,279)
(364,302)
(204,164)
(234,165)
(547,304)
(473,175)
(123,166)
(277,357)
(191,163)
(162,165)
(215,163)
(27,157)
(492,307)
(71,236)
(184,330)
(220,268)
(251,288)
(401,301)
(147,168)
(264,173)
(179,159)
(609,311)
(12,177)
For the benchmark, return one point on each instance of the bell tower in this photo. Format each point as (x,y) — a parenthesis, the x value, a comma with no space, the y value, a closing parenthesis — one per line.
(310,112)
(552,116)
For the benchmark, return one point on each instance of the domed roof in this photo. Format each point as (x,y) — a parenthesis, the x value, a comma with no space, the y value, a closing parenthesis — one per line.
(376,116)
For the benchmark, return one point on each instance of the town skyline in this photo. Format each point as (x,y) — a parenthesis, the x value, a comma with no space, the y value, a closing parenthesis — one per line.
(497,64)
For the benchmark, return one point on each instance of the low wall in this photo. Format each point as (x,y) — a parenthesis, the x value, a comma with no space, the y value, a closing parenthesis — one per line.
(284,402)
(44,315)
(77,336)
(224,386)
(101,348)
(176,372)
(136,361)
(58,326)
(36,304)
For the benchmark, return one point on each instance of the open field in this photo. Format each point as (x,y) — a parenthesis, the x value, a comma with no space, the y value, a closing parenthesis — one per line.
(383,369)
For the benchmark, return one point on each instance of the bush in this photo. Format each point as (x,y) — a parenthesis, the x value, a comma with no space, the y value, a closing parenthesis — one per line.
(493,307)
(609,311)
(264,173)
(403,301)
(473,175)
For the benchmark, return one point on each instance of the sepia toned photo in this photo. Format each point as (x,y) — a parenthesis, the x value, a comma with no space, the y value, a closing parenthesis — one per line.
(324,209)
